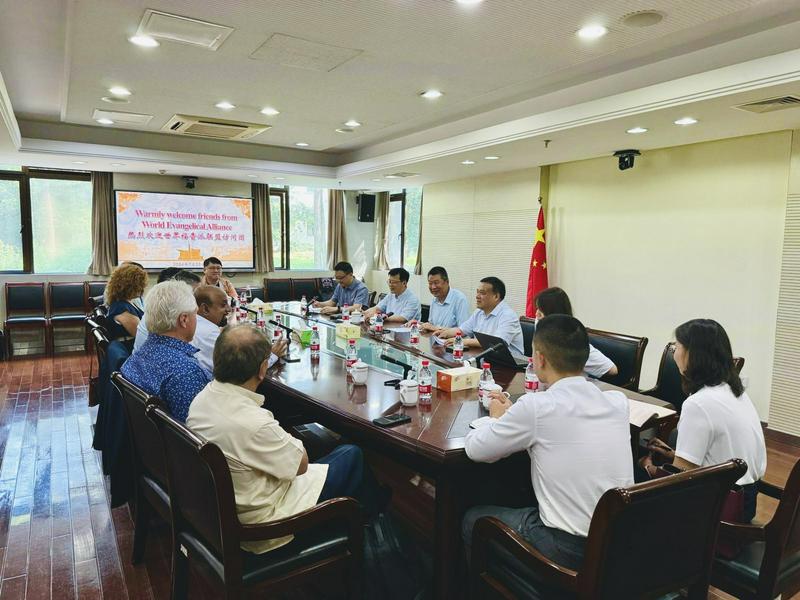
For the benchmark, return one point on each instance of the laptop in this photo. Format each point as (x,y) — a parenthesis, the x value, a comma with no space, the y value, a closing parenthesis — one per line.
(502,355)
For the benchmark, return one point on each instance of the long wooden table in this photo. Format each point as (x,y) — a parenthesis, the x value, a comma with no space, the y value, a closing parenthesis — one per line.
(432,443)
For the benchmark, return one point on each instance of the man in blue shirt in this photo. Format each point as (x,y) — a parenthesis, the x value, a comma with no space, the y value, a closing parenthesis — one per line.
(349,291)
(449,306)
(165,365)
(401,301)
(493,317)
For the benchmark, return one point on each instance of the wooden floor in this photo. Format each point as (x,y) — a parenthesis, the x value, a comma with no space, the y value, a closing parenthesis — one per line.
(58,537)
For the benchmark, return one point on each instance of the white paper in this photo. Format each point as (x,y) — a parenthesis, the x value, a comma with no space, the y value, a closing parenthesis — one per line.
(437,340)
(314,309)
(641,412)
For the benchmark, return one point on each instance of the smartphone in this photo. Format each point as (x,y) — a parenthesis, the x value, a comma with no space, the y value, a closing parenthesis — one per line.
(392,420)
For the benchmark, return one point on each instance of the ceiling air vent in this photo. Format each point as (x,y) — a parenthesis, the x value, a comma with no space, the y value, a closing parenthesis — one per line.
(174,28)
(770,104)
(220,129)
(400,175)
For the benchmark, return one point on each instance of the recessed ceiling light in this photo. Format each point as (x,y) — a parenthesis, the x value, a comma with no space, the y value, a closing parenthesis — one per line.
(637,130)
(344,130)
(352,123)
(105,121)
(117,164)
(491,158)
(432,94)
(78,162)
(467,162)
(469,1)
(144,41)
(377,179)
(225,105)
(115,100)
(392,177)
(118,90)
(269,111)
(686,121)
(253,176)
(301,144)
(592,32)
(280,178)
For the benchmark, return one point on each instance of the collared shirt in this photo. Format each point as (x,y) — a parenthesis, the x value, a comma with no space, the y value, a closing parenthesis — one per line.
(578,439)
(223,284)
(598,364)
(166,367)
(406,305)
(502,322)
(141,334)
(205,336)
(263,458)
(356,293)
(451,312)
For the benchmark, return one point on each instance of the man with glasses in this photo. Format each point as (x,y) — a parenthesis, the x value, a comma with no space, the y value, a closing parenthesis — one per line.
(401,304)
(212,275)
(349,291)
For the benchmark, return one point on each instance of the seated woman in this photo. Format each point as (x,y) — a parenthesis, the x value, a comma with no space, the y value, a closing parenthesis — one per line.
(125,287)
(554,301)
(718,421)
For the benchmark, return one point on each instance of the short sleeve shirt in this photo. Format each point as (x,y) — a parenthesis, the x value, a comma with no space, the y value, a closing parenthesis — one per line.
(355,293)
(451,312)
(406,304)
(502,322)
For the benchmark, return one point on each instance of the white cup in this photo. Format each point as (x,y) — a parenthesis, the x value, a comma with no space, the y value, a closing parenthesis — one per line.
(356,318)
(360,372)
(492,387)
(409,392)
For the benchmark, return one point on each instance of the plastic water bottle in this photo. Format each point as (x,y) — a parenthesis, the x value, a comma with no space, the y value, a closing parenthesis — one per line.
(314,342)
(346,309)
(487,379)
(352,355)
(260,322)
(531,380)
(303,305)
(276,336)
(414,335)
(458,346)
(425,380)
(345,317)
(278,330)
(379,322)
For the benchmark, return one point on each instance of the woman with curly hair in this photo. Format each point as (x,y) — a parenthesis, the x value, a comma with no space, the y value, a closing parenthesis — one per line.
(123,291)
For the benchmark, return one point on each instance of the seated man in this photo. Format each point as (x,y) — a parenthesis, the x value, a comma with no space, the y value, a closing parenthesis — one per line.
(165,275)
(212,275)
(165,365)
(272,477)
(492,317)
(400,302)
(449,306)
(212,312)
(349,290)
(577,437)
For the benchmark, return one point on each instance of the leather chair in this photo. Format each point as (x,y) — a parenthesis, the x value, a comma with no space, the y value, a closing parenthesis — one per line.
(326,286)
(147,458)
(668,382)
(371,298)
(67,306)
(255,292)
(94,293)
(769,563)
(26,308)
(425,312)
(381,296)
(278,289)
(626,351)
(528,326)
(328,537)
(621,558)
(308,287)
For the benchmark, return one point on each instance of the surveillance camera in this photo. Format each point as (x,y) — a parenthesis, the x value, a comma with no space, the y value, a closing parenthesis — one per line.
(189,182)
(162,171)
(626,158)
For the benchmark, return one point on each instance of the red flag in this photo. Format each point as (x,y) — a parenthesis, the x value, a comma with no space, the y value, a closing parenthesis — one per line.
(537,278)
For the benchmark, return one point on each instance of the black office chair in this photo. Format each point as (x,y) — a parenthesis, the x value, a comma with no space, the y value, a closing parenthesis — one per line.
(307,287)
(94,293)
(67,307)
(255,292)
(326,287)
(371,298)
(626,352)
(26,309)
(426,312)
(528,326)
(279,290)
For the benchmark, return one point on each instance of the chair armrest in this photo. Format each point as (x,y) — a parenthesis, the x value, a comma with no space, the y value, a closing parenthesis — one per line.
(651,392)
(769,489)
(490,529)
(344,509)
(741,532)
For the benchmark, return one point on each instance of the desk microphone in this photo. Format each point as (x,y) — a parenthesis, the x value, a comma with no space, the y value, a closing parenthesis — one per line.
(287,329)
(406,367)
(489,350)
(289,332)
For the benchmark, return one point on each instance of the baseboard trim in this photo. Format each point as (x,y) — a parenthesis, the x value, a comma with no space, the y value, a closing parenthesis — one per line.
(781,437)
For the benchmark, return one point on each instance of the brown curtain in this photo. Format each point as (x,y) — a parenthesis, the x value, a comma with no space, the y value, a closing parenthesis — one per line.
(104,250)
(263,228)
(382,231)
(418,266)
(337,239)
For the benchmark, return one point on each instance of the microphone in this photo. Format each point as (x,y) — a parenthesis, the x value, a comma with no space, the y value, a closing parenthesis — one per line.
(287,329)
(394,361)
(488,350)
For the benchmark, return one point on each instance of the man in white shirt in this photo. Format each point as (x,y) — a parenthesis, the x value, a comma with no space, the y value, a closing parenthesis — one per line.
(492,317)
(577,437)
(449,306)
(271,473)
(401,302)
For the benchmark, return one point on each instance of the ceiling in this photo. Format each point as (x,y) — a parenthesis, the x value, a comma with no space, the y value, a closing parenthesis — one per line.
(513,73)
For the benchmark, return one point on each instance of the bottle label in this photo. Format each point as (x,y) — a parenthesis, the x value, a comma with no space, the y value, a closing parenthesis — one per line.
(351,362)
(378,328)
(425,389)
(414,339)
(315,347)
(531,384)
(458,354)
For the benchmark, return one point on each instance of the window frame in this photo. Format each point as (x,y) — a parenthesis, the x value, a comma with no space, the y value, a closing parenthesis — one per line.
(283,194)
(400,197)
(24,177)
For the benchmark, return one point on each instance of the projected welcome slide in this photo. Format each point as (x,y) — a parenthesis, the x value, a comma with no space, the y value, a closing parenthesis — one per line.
(180,230)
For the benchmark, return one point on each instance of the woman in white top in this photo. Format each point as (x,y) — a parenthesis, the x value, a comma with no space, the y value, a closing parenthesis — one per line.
(554,301)
(718,421)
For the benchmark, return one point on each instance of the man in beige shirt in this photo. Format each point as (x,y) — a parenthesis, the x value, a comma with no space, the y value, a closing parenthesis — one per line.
(271,473)
(212,275)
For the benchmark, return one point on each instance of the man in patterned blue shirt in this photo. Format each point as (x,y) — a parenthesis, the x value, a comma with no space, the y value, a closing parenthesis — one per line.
(165,365)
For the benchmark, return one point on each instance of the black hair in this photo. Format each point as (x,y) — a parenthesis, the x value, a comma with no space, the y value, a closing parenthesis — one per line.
(212,260)
(239,352)
(563,341)
(167,274)
(710,356)
(344,267)
(498,287)
(441,271)
(187,277)
(553,301)
(401,273)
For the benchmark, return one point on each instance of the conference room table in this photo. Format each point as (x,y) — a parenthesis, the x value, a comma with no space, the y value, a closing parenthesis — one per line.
(432,443)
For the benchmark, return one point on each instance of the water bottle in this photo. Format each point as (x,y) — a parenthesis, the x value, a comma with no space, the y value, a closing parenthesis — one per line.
(458,346)
(352,355)
(414,336)
(486,380)
(345,309)
(260,322)
(276,336)
(314,342)
(303,305)
(278,328)
(531,380)
(425,384)
(379,322)
(345,316)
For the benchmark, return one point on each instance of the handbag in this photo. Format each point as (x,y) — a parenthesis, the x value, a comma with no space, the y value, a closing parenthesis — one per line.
(732,512)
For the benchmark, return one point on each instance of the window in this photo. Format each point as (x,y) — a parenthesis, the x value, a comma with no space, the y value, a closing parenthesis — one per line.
(46,221)
(405,211)
(299,218)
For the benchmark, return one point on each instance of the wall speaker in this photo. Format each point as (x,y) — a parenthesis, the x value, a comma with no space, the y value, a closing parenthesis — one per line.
(366,208)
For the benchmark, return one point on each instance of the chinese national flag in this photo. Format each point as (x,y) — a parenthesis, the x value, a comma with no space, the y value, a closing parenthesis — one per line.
(537,278)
